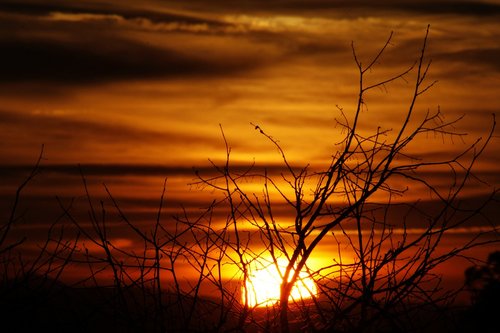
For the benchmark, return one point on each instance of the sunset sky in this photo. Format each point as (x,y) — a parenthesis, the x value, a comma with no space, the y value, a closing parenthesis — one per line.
(134,91)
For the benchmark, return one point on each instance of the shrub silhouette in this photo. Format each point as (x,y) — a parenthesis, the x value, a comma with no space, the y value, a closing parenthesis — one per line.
(484,285)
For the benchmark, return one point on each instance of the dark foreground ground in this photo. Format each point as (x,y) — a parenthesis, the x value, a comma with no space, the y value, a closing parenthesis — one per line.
(44,305)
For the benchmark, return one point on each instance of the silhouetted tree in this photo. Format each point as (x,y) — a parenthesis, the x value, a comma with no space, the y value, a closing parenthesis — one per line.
(352,202)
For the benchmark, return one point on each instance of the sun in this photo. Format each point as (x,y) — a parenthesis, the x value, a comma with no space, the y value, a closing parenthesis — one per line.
(263,286)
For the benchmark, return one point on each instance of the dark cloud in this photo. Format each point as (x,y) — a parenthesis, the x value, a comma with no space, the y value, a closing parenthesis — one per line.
(205,171)
(38,200)
(97,170)
(83,60)
(17,171)
(77,131)
(405,52)
(346,7)
(351,8)
(79,48)
(451,7)
(482,56)
(38,9)
(92,52)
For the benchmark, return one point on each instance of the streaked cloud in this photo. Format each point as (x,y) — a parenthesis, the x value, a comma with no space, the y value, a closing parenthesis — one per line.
(69,129)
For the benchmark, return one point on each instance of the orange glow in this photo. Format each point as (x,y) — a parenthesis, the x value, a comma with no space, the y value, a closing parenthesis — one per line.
(263,286)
